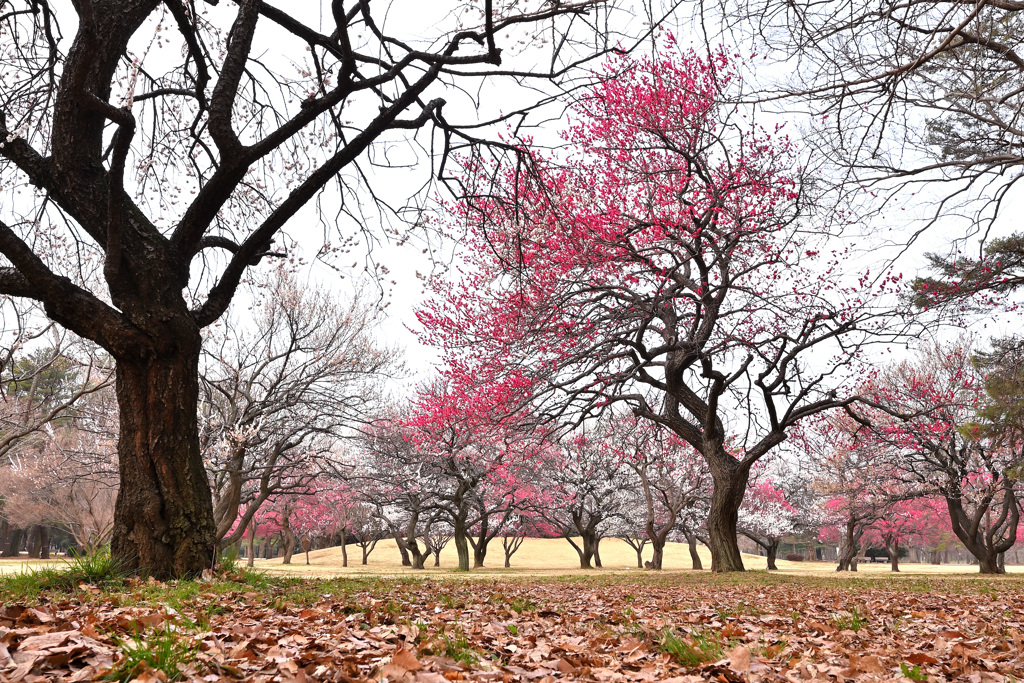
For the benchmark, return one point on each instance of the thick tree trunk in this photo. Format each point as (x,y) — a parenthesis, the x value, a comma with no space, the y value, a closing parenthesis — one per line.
(772,550)
(597,552)
(480,553)
(658,557)
(985,551)
(461,544)
(691,542)
(437,557)
(726,498)
(988,563)
(34,544)
(893,548)
(657,537)
(163,519)
(639,557)
(13,548)
(44,542)
(585,552)
(851,544)
(418,558)
(848,560)
(406,560)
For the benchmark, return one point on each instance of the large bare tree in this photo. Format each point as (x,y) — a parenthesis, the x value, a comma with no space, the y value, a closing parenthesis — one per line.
(164,146)
(280,389)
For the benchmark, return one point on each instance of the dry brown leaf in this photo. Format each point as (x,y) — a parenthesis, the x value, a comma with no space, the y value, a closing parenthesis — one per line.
(739,659)
(406,659)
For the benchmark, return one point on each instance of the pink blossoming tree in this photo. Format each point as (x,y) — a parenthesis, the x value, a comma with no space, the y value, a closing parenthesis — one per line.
(663,261)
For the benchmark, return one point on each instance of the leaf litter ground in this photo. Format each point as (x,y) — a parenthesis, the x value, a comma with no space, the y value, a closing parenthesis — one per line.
(679,627)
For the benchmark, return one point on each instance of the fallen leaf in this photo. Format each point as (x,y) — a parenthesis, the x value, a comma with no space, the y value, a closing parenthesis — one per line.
(739,659)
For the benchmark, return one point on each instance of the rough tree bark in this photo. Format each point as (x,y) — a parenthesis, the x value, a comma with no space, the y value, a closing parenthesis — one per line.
(403,549)
(163,518)
(851,544)
(14,543)
(730,480)
(772,550)
(461,542)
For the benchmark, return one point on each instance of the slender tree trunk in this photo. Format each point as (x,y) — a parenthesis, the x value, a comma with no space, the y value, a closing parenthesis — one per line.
(893,549)
(344,546)
(437,557)
(597,552)
(163,519)
(252,543)
(511,545)
(639,557)
(44,542)
(288,540)
(480,543)
(691,542)
(730,486)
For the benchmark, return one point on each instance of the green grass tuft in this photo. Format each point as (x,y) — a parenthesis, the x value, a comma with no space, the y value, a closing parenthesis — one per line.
(96,569)
(854,622)
(700,648)
(457,647)
(163,650)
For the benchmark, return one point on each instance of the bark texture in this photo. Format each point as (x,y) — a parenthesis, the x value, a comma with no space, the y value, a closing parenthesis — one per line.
(723,518)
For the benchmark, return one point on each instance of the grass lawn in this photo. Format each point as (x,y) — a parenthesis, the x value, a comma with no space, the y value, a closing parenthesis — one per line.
(555,557)
(84,622)
(536,557)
